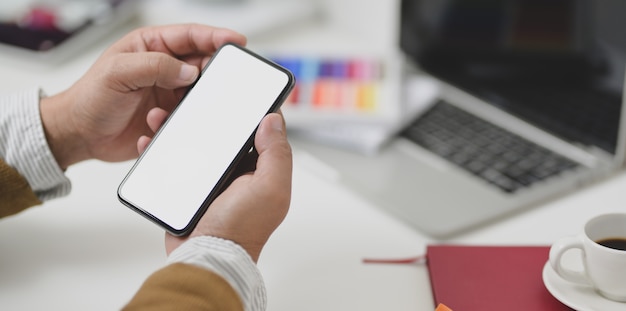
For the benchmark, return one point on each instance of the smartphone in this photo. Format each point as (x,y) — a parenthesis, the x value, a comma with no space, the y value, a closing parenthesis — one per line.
(192,156)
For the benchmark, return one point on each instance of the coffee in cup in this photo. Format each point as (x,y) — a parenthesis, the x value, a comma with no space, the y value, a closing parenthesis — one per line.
(603,253)
(614,243)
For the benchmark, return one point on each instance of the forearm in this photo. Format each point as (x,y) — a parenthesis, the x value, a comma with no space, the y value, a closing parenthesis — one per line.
(204,273)
(15,193)
(185,287)
(231,262)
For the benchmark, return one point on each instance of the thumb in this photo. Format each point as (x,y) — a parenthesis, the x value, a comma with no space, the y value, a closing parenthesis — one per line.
(138,70)
(274,164)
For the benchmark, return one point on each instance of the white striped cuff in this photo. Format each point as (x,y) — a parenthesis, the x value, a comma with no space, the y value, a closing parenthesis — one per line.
(23,145)
(231,262)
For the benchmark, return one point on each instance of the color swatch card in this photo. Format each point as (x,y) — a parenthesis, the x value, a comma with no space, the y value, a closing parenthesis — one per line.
(341,88)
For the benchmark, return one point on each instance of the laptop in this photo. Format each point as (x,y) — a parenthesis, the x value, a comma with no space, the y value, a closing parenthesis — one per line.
(529,108)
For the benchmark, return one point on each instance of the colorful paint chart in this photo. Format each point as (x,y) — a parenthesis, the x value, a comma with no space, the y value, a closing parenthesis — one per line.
(342,85)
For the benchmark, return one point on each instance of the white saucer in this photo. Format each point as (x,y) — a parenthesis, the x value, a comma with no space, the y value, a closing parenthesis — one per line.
(578,297)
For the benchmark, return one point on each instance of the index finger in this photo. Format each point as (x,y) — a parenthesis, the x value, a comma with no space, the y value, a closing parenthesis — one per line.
(178,40)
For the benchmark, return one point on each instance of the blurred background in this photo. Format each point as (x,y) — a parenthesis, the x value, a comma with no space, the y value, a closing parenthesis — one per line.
(87,251)
(45,36)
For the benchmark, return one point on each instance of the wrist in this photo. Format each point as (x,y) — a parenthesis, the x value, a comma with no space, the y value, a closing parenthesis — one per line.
(63,139)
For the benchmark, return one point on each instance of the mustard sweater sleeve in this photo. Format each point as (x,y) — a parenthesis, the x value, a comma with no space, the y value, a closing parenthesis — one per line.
(185,287)
(15,192)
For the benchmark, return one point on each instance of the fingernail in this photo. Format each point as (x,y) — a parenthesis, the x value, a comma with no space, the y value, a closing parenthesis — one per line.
(188,73)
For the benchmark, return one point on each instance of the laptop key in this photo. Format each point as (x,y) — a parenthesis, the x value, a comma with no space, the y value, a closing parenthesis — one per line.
(499,157)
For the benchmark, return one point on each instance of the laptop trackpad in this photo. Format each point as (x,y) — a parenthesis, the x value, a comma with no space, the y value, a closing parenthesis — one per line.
(419,188)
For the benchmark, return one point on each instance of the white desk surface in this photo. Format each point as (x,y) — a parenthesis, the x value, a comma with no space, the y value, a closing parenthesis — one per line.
(88,252)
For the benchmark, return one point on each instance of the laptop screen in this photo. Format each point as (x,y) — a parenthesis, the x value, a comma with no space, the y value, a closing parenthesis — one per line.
(557,64)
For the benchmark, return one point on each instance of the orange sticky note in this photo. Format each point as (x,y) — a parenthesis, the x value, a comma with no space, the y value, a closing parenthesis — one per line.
(442,307)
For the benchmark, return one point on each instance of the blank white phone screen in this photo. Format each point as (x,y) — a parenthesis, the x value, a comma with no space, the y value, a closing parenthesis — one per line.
(187,158)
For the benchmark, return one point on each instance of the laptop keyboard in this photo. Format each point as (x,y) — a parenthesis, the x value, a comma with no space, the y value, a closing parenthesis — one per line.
(492,153)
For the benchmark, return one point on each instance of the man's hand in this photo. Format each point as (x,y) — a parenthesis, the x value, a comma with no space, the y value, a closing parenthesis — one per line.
(253,206)
(137,81)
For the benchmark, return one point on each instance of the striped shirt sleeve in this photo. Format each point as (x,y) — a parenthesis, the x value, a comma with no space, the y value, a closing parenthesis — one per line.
(23,145)
(231,262)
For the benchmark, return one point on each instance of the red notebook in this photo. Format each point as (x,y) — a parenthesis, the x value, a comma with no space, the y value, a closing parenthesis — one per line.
(468,278)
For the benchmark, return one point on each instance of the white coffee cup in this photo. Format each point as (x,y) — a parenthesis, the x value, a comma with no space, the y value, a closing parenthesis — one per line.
(604,268)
